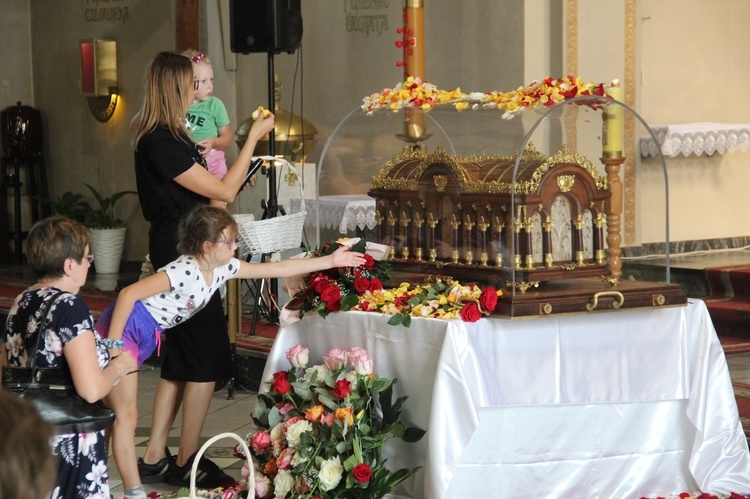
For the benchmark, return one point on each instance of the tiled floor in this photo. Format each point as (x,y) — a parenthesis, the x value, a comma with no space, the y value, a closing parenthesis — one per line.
(224,416)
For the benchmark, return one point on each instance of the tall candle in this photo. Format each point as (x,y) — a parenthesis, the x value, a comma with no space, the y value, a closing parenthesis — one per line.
(612,136)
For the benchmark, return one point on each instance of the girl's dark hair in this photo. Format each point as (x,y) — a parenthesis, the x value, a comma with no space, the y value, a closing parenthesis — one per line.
(52,241)
(204,223)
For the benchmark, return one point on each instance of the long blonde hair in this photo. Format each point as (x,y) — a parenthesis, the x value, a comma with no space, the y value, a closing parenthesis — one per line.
(167,96)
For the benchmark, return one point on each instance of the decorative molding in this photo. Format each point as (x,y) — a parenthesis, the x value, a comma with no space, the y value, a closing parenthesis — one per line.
(571,62)
(629,177)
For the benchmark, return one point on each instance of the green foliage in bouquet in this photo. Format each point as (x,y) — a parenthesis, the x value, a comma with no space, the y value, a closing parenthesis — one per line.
(323,429)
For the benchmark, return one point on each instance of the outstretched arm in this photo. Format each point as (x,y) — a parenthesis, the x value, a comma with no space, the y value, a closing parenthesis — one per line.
(342,257)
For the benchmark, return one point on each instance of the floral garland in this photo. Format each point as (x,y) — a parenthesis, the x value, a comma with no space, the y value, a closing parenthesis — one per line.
(365,289)
(441,298)
(413,93)
(323,429)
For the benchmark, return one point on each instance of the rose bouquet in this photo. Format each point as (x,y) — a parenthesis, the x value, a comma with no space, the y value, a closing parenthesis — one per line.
(339,288)
(323,429)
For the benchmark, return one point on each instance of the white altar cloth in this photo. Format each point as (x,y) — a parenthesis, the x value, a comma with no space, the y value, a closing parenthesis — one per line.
(345,212)
(696,138)
(621,404)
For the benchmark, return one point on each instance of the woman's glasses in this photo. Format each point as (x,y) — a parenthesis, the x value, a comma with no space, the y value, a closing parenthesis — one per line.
(90,257)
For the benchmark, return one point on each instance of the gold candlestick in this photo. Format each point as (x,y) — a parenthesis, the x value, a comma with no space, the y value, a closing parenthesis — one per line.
(391,222)
(468,250)
(483,226)
(432,223)
(614,210)
(404,223)
(418,222)
(497,229)
(455,224)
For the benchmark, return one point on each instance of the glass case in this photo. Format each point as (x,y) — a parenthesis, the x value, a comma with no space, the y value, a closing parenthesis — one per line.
(515,200)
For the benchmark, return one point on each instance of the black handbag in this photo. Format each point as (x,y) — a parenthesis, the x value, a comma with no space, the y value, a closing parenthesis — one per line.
(51,390)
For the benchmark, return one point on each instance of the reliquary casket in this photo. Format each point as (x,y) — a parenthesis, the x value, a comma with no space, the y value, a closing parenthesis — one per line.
(539,233)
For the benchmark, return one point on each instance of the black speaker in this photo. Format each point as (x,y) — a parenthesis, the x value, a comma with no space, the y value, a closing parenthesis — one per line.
(265,25)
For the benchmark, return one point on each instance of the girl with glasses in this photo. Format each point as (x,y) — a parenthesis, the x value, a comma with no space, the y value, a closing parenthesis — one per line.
(178,291)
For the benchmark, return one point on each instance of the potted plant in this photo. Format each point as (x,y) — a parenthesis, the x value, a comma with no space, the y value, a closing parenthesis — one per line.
(107,231)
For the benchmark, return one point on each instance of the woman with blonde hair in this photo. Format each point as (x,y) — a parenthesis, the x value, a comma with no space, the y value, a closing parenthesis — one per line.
(172,180)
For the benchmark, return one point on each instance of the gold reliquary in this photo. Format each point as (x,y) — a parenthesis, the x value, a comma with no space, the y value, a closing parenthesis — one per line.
(539,233)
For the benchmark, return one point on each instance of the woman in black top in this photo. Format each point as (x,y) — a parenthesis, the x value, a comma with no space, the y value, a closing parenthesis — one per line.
(171,180)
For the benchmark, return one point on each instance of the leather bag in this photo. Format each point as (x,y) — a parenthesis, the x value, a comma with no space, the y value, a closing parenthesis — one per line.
(52,392)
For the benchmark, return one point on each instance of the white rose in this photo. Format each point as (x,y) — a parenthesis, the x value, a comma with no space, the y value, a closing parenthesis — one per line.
(283,483)
(294,431)
(320,370)
(330,473)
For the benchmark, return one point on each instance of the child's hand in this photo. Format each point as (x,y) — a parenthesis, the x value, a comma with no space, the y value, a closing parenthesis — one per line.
(205,146)
(342,257)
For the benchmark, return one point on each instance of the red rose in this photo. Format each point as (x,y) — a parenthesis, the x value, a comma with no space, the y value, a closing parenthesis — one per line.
(470,312)
(333,306)
(280,383)
(322,285)
(361,284)
(488,299)
(369,262)
(331,294)
(343,389)
(375,284)
(362,473)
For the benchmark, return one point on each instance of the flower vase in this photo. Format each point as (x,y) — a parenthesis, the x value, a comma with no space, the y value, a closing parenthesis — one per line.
(107,245)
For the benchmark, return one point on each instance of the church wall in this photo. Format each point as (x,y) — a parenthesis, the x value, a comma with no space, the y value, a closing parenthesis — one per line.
(349,52)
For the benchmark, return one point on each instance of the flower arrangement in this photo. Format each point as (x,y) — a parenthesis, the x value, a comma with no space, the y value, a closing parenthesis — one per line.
(323,429)
(365,289)
(417,94)
(339,288)
(440,298)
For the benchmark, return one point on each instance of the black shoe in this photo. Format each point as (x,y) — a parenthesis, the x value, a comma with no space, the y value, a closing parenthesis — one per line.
(209,475)
(156,473)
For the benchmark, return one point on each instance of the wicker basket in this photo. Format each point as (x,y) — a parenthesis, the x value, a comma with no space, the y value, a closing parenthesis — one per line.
(273,234)
(196,460)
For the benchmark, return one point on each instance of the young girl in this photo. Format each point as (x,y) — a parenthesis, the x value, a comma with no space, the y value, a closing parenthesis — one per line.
(176,292)
(208,120)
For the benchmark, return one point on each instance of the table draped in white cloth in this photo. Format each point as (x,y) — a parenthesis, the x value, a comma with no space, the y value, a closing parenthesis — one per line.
(345,212)
(619,404)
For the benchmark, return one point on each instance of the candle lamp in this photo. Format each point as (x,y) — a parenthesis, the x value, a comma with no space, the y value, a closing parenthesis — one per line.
(483,226)
(612,123)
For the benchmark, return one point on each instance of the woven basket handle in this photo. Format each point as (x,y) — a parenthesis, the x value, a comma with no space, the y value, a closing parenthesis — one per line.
(194,471)
(286,163)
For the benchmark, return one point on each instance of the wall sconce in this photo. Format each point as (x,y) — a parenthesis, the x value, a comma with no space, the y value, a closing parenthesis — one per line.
(99,76)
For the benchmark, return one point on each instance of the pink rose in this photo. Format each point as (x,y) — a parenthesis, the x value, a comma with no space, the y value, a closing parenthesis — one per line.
(262,486)
(298,356)
(361,361)
(285,458)
(335,359)
(260,441)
